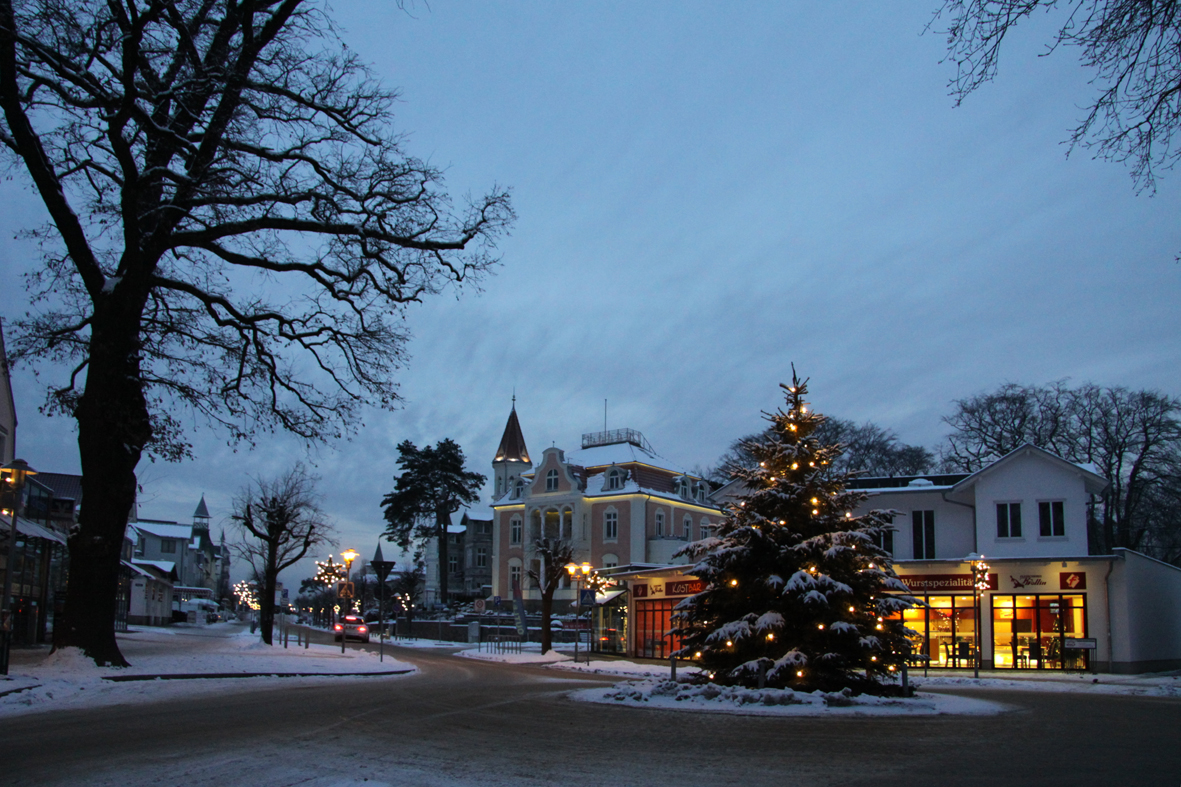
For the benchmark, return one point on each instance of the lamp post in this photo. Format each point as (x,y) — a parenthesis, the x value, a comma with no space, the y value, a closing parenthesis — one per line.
(578,573)
(349,555)
(980,586)
(17,470)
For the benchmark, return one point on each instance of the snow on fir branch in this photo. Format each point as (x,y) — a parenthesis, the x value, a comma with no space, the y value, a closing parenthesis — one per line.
(834,622)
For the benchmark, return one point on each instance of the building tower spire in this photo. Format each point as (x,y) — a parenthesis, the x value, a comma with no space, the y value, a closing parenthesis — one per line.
(512,457)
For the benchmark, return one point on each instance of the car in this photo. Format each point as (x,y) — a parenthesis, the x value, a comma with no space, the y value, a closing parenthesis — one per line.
(351,627)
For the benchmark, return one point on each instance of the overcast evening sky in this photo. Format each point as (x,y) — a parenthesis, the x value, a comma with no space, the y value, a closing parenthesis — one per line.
(708,193)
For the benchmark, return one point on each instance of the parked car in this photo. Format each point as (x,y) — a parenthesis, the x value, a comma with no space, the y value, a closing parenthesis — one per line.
(351,627)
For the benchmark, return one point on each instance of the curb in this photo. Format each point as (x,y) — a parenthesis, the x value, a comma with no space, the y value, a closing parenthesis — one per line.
(220,675)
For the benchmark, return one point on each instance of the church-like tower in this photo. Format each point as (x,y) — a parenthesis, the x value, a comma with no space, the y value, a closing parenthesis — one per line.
(512,457)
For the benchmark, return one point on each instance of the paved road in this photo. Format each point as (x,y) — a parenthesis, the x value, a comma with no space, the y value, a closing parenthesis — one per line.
(461,722)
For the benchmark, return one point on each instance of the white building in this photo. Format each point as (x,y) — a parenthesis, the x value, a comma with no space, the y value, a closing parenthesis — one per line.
(1050,604)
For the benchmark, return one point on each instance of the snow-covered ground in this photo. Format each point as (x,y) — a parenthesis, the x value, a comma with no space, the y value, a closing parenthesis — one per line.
(653,689)
(67,679)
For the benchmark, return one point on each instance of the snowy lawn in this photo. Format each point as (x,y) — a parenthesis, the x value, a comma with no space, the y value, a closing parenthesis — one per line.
(1159,685)
(67,679)
(711,698)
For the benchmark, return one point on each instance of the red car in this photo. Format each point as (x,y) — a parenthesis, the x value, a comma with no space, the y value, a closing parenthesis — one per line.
(351,627)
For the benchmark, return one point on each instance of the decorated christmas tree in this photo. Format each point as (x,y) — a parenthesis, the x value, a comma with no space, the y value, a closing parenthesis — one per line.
(798,594)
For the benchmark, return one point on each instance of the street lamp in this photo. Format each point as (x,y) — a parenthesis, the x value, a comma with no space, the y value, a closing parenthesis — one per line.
(349,555)
(17,470)
(578,573)
(980,587)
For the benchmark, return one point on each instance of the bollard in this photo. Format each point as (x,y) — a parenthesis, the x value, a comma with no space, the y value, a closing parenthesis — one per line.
(672,663)
(762,674)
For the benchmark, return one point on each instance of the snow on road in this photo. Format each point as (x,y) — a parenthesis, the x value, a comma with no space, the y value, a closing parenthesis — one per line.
(67,679)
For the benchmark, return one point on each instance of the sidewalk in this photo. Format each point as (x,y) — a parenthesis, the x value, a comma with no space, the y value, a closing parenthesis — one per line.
(174,661)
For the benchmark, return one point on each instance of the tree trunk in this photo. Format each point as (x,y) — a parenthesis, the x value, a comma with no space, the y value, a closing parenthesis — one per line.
(266,603)
(442,520)
(547,606)
(113,428)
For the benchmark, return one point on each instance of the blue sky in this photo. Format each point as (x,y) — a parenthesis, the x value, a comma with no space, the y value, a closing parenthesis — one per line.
(708,193)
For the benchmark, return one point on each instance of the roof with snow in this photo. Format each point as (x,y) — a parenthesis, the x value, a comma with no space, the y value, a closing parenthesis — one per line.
(618,454)
(164,529)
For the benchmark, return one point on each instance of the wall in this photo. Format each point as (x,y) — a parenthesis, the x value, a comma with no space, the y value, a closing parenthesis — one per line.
(1028,479)
(1146,614)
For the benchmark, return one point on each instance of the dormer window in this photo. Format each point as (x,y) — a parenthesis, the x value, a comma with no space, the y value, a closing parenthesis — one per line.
(520,487)
(551,481)
(681,485)
(700,491)
(616,478)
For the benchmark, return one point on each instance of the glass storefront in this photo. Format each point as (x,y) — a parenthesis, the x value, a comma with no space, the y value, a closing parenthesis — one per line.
(1029,631)
(945,631)
(653,623)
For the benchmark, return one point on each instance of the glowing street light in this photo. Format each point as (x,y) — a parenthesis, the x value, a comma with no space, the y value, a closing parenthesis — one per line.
(17,471)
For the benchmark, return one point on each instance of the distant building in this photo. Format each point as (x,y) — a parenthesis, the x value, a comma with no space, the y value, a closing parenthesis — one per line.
(615,500)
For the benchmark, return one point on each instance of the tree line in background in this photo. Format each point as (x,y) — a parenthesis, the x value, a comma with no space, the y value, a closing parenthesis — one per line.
(1131,438)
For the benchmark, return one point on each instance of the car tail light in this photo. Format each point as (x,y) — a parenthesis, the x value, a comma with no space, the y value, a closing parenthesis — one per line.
(338,627)
(362,630)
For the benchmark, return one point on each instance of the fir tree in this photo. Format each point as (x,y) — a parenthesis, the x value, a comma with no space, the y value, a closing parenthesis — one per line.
(796,585)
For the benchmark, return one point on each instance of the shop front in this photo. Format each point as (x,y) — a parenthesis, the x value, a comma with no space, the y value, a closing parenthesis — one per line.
(653,597)
(1031,617)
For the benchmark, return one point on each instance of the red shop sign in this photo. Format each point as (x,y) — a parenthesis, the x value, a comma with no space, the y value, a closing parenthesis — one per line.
(683,587)
(955,582)
(639,591)
(1072,580)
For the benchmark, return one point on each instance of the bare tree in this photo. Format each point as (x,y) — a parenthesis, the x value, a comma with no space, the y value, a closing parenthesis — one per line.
(552,557)
(234,233)
(279,521)
(868,449)
(1133,48)
(1132,438)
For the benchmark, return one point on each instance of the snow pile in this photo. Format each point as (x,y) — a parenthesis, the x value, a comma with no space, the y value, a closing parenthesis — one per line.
(1135,685)
(526,656)
(672,695)
(628,668)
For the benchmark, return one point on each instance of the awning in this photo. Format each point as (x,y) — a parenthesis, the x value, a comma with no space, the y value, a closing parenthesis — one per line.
(34,530)
(608,597)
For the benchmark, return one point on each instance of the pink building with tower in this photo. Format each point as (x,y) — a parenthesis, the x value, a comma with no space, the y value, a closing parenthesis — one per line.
(616,500)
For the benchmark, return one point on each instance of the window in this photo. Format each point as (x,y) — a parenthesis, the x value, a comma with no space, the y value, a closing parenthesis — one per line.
(551,481)
(1052,518)
(660,524)
(514,531)
(687,526)
(1008,520)
(610,561)
(616,479)
(514,577)
(704,528)
(481,557)
(706,531)
(700,492)
(519,488)
(885,541)
(923,531)
(499,487)
(453,564)
(610,526)
(167,545)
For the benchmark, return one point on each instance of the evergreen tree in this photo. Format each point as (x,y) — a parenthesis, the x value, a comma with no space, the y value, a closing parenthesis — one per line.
(434,485)
(796,585)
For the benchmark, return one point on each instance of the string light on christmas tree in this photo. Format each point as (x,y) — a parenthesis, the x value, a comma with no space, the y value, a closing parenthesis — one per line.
(817,558)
